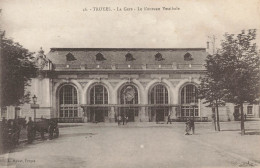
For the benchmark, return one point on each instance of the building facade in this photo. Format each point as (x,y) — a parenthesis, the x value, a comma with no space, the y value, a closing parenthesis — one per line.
(99,84)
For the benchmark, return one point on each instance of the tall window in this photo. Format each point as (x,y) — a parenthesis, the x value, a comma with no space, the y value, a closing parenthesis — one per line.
(249,110)
(68,101)
(129,95)
(98,95)
(188,96)
(159,95)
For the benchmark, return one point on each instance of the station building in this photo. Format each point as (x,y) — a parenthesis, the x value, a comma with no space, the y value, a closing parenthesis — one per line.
(145,84)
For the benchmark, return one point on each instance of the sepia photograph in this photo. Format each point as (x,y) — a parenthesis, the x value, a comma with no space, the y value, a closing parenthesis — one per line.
(129,83)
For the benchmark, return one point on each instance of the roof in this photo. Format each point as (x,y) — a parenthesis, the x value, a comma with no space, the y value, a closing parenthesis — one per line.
(117,55)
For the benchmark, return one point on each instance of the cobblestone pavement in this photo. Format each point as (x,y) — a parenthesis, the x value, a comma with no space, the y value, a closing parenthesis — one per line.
(141,145)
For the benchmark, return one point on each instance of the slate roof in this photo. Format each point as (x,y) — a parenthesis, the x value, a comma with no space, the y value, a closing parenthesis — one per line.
(117,55)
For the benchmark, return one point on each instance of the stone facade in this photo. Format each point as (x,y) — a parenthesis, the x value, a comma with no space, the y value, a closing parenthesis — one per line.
(101,90)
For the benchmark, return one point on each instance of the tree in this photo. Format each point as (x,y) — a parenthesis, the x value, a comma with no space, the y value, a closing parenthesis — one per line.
(211,86)
(17,69)
(240,64)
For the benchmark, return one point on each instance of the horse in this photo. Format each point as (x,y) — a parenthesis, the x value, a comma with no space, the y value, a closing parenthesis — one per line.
(44,125)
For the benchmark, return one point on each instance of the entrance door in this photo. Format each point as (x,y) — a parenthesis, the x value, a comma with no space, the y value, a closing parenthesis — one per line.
(129,112)
(99,116)
(159,114)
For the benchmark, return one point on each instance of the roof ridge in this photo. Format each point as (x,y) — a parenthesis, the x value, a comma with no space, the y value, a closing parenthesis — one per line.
(122,49)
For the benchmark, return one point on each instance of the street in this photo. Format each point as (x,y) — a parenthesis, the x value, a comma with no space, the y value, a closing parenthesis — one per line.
(141,145)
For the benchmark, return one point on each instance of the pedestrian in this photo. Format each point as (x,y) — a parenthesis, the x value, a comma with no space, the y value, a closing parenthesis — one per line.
(30,130)
(126,119)
(119,119)
(123,118)
(169,119)
(192,126)
(188,128)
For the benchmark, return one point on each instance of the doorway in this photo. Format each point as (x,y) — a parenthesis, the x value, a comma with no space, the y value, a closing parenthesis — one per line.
(97,114)
(159,113)
(129,112)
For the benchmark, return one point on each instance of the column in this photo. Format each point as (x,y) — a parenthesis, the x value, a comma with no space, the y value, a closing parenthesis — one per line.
(112,114)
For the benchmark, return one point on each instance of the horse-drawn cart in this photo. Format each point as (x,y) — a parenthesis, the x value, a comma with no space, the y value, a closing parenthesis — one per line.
(44,125)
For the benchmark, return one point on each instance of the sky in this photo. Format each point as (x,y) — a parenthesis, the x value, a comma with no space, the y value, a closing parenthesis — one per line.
(64,23)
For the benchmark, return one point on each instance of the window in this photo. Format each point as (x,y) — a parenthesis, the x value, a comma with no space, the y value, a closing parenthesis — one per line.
(70,57)
(250,110)
(68,101)
(129,57)
(129,95)
(98,95)
(187,111)
(100,57)
(159,95)
(188,57)
(188,96)
(158,57)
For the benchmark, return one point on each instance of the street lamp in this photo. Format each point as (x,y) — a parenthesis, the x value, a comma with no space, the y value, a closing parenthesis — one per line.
(34,102)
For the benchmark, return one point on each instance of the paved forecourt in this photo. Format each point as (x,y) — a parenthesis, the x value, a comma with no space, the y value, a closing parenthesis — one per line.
(136,145)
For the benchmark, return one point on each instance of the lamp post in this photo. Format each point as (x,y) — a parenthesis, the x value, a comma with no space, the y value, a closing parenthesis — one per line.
(34,102)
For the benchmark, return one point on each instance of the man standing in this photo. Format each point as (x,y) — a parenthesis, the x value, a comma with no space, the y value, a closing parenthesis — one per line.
(30,130)
(169,118)
(119,119)
(126,119)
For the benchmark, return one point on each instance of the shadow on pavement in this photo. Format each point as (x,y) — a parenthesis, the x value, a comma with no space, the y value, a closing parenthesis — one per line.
(255,132)
(76,134)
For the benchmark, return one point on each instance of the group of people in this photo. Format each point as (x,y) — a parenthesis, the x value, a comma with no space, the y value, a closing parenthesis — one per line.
(190,127)
(123,119)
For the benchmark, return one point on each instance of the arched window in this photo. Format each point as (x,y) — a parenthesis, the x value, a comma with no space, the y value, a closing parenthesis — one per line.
(129,95)
(158,57)
(98,95)
(188,57)
(159,95)
(129,57)
(100,57)
(68,101)
(189,101)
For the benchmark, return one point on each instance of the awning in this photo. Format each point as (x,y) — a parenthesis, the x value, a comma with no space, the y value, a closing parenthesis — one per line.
(129,105)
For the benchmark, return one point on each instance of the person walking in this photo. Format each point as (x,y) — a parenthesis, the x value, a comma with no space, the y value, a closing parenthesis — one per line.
(126,119)
(30,130)
(192,126)
(119,119)
(169,119)
(123,118)
(188,128)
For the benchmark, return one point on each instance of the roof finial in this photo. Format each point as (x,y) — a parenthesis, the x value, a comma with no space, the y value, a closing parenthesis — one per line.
(41,51)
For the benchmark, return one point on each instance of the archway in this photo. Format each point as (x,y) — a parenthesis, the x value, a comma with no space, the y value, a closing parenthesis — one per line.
(68,102)
(159,97)
(128,97)
(189,101)
(98,96)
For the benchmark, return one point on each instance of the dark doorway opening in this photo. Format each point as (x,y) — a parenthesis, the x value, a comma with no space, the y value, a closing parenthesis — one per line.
(129,112)
(97,114)
(160,113)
